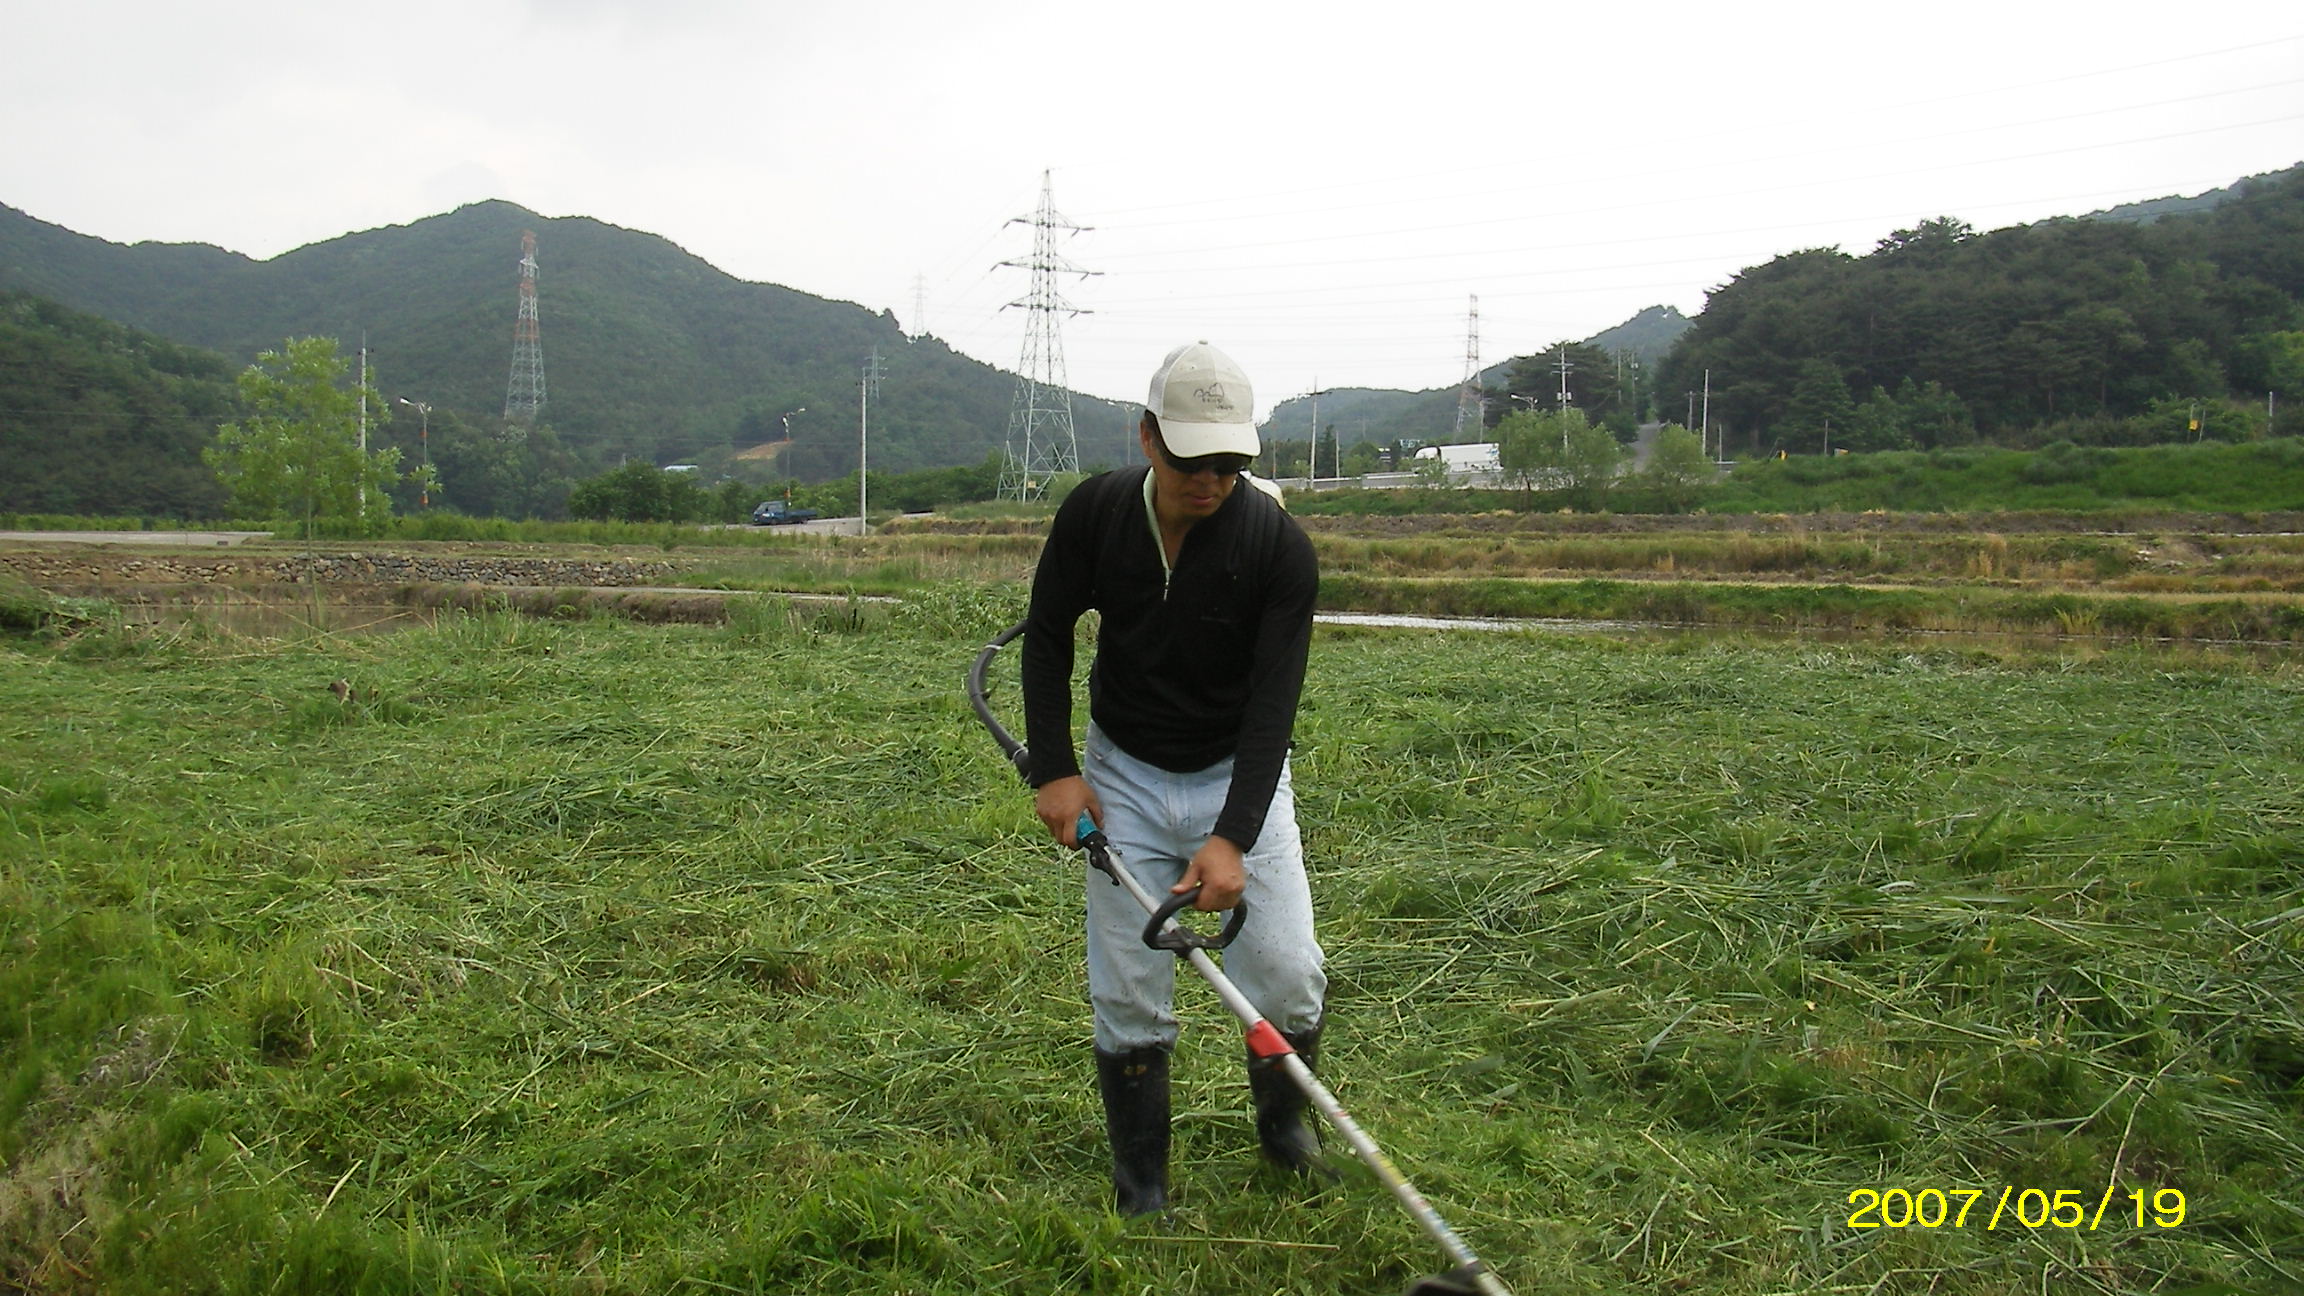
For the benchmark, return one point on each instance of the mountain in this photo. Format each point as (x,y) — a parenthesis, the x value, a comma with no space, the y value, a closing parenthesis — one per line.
(1649,335)
(1358,414)
(2150,210)
(1385,415)
(1382,415)
(649,352)
(98,418)
(2089,331)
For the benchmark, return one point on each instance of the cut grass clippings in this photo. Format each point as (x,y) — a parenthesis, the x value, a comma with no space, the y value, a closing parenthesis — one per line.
(584,956)
(1970,610)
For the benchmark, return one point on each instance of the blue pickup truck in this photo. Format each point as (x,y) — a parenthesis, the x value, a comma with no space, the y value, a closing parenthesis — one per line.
(781,513)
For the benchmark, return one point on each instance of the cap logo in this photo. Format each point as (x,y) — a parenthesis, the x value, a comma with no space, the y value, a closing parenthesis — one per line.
(1212,395)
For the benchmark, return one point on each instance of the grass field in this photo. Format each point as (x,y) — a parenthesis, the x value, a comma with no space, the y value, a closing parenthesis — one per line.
(588,957)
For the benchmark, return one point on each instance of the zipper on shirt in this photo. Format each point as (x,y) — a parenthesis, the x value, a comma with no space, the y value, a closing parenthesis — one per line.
(1159,544)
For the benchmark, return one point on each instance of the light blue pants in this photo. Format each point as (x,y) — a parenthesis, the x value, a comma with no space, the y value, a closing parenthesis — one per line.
(1156,821)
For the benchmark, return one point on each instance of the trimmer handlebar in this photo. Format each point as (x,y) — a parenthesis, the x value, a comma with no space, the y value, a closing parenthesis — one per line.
(1163,932)
(1013,749)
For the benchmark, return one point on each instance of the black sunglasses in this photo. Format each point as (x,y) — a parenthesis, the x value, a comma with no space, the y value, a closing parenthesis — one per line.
(1223,465)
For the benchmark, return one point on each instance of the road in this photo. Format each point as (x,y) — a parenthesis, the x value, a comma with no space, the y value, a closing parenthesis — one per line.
(820,526)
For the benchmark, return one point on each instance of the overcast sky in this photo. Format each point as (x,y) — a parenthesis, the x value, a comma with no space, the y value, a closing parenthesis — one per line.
(1320,189)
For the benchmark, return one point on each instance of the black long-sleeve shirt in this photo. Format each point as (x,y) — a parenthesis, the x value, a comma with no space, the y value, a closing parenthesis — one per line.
(1192,665)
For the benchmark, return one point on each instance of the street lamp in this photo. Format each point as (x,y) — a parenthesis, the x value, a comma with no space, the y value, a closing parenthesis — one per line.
(424,444)
(786,419)
(1533,405)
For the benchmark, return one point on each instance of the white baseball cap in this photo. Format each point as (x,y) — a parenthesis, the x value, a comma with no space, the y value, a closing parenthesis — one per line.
(1204,404)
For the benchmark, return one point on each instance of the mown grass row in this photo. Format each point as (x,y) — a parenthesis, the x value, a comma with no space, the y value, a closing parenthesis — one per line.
(1833,607)
(582,956)
(2227,585)
(1982,556)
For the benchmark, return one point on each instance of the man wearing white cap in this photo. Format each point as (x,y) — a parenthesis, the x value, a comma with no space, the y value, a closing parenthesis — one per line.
(1205,593)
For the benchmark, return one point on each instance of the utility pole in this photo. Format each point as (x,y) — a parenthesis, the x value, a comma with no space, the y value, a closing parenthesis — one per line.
(1564,369)
(919,305)
(363,478)
(1312,448)
(1041,439)
(1721,455)
(868,384)
(524,395)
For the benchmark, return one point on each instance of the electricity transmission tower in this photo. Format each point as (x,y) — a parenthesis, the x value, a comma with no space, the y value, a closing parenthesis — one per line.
(1041,440)
(1469,403)
(524,396)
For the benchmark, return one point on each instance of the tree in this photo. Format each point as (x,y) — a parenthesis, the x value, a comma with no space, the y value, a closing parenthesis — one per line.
(1599,383)
(639,492)
(2284,364)
(1877,425)
(297,454)
(1930,415)
(1820,402)
(498,468)
(1528,446)
(1284,458)
(1929,245)
(1590,462)
(1677,467)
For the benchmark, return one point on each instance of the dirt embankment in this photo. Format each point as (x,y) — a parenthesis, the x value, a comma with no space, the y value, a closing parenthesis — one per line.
(136,576)
(1516,522)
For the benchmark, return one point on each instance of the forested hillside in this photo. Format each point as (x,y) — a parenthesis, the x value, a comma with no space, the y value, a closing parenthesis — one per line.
(1357,414)
(96,418)
(2093,331)
(649,352)
(2159,321)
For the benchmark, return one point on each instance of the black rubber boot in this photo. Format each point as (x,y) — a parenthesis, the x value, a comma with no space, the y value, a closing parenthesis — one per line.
(1280,1129)
(1135,1088)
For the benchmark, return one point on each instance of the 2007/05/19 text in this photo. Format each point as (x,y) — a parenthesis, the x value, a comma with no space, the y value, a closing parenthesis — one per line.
(2025,1208)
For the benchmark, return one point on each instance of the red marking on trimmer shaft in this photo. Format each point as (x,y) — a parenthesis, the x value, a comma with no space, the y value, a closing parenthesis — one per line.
(1265,1042)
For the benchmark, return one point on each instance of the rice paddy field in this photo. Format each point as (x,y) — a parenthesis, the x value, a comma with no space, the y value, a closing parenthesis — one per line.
(580,956)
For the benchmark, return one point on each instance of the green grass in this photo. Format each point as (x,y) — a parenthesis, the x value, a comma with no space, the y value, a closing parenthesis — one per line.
(591,957)
(2245,477)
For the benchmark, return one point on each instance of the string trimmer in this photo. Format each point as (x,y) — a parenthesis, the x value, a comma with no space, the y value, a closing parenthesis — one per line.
(1470,1277)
